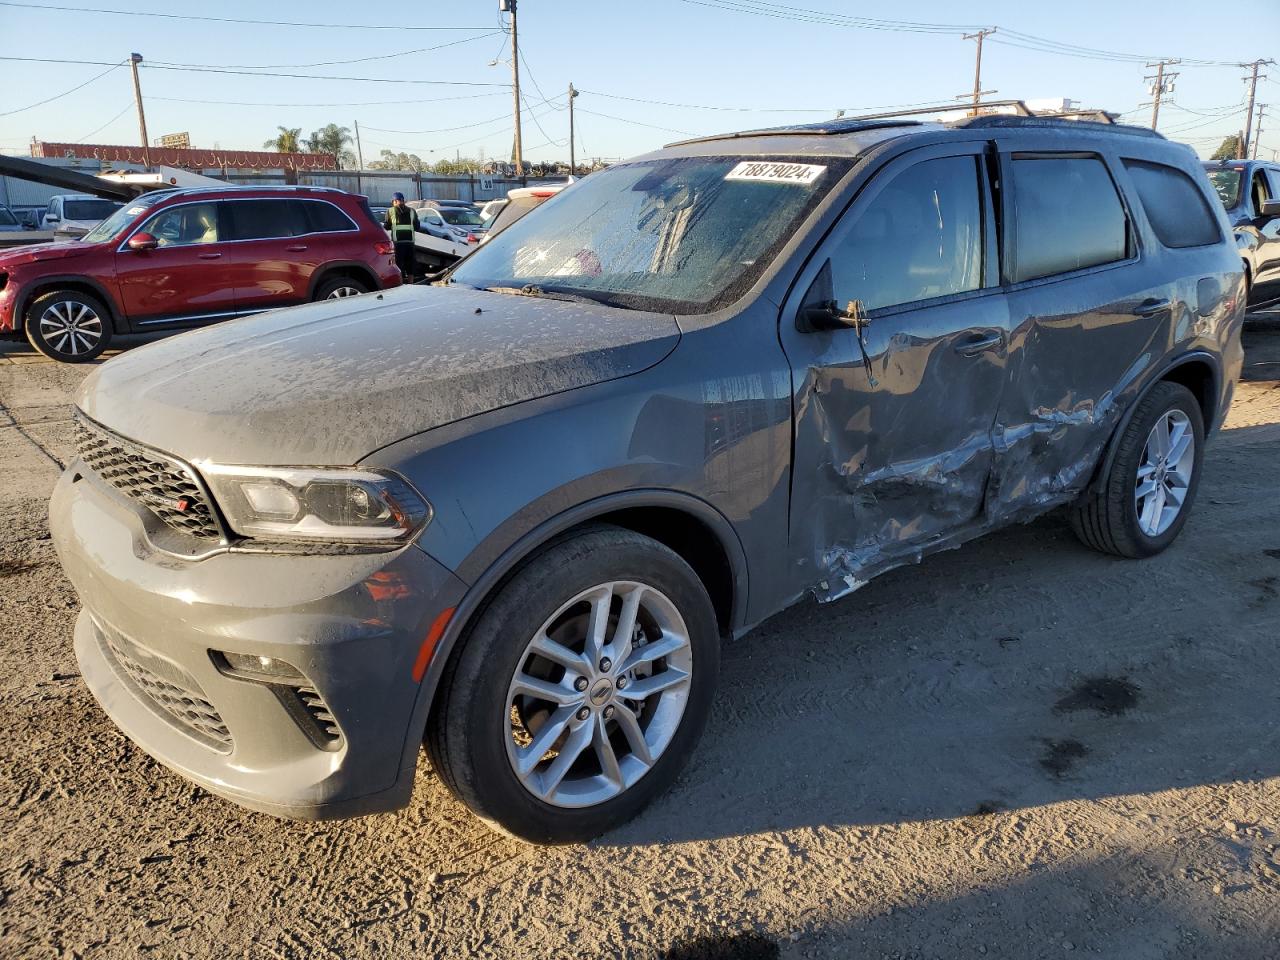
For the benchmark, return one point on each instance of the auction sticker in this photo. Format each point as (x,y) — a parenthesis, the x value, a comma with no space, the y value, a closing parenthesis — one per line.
(770,171)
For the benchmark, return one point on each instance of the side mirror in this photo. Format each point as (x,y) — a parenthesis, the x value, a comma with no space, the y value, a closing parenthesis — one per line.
(141,242)
(1271,208)
(52,218)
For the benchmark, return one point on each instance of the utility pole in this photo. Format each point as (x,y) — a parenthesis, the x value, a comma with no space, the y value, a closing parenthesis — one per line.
(573,167)
(1252,80)
(134,60)
(978,92)
(1257,135)
(359,149)
(509,6)
(1162,83)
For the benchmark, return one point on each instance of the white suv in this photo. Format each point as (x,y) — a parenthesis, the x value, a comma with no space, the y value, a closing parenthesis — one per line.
(71,215)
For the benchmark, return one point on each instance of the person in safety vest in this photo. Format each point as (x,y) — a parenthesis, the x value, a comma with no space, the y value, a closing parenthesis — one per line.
(402,221)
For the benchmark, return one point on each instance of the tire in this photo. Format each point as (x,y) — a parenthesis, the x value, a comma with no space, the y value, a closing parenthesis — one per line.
(68,326)
(341,287)
(1107,515)
(478,734)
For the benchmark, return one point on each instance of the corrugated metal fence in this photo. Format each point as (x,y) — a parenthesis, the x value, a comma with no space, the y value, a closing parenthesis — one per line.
(378,185)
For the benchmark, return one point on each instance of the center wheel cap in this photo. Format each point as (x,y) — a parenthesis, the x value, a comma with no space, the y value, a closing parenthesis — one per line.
(601,692)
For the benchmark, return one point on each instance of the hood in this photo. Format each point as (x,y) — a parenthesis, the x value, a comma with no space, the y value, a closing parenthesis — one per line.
(43,252)
(328,383)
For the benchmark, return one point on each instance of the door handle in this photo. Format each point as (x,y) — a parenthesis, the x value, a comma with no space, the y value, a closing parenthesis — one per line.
(979,343)
(210,256)
(297,248)
(1152,306)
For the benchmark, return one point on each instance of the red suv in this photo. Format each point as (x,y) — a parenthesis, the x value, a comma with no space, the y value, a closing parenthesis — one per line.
(178,258)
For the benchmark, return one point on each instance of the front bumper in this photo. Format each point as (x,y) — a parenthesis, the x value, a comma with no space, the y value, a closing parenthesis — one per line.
(352,624)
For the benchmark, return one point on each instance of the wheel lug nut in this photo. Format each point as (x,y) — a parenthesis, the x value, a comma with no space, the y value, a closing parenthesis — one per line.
(605,664)
(580,684)
(608,713)
(584,713)
(622,683)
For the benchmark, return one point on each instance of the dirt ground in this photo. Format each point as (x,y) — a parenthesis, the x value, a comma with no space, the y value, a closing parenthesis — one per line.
(1018,749)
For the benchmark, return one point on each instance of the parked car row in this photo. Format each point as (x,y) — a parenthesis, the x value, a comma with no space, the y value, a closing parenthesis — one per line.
(688,392)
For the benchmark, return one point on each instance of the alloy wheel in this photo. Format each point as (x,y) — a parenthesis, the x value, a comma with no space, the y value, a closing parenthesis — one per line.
(70,327)
(1164,472)
(338,293)
(598,694)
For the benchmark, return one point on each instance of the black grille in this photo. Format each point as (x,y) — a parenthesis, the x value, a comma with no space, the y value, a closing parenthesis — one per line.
(172,689)
(326,728)
(166,487)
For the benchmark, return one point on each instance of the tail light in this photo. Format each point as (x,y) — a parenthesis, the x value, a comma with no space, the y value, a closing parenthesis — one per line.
(384,247)
(471,238)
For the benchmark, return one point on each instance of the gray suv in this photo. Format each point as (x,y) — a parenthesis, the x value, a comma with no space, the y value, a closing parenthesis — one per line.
(515,513)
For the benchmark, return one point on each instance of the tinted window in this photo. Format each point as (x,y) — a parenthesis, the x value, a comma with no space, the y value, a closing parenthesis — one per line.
(1069,216)
(266,219)
(919,238)
(1227,183)
(325,217)
(1175,206)
(187,224)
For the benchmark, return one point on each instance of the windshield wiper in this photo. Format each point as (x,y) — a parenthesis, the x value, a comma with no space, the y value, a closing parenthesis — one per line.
(554,293)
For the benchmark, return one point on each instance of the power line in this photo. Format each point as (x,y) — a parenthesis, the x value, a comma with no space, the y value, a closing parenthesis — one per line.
(326,63)
(254,73)
(265,23)
(634,123)
(114,66)
(127,107)
(358,103)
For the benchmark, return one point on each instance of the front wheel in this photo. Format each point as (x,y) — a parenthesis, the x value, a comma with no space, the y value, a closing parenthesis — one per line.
(581,690)
(1142,502)
(68,326)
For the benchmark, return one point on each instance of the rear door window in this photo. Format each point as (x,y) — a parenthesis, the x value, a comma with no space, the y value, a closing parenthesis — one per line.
(919,238)
(1175,206)
(1067,214)
(266,219)
(325,217)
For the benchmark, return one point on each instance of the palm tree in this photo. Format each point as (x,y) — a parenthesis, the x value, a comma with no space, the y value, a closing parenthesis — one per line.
(287,141)
(331,139)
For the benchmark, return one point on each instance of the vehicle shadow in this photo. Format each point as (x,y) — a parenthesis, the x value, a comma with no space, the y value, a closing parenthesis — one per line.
(1020,670)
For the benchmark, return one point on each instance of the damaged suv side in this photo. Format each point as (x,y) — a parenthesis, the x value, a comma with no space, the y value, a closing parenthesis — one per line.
(514,513)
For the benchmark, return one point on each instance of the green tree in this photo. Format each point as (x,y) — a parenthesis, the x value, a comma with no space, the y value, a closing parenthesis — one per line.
(287,141)
(398,161)
(331,139)
(1229,148)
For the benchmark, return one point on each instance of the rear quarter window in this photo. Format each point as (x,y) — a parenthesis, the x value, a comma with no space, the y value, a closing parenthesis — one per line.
(1068,216)
(326,218)
(1175,206)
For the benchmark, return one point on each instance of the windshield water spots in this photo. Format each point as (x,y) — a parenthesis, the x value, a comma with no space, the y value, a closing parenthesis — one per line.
(686,235)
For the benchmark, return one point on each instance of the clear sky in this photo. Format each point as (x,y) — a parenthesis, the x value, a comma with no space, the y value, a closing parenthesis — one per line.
(692,54)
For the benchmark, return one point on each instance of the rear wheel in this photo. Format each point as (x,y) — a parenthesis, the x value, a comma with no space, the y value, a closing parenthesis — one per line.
(341,287)
(1138,508)
(68,326)
(581,690)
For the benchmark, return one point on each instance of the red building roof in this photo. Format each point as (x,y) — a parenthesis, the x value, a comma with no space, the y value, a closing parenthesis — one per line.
(188,159)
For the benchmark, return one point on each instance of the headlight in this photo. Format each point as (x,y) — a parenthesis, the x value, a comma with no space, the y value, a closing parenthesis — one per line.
(302,503)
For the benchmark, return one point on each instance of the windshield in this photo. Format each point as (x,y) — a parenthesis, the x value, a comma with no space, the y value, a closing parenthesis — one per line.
(90,209)
(118,221)
(460,216)
(7,219)
(1227,183)
(680,235)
